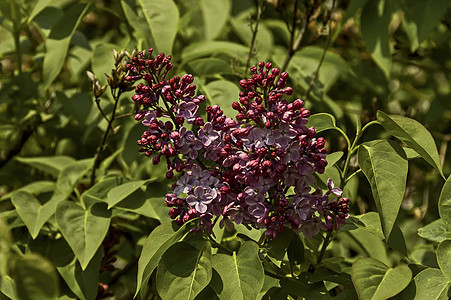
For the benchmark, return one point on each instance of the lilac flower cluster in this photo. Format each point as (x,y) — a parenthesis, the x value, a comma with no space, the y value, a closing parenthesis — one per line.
(256,170)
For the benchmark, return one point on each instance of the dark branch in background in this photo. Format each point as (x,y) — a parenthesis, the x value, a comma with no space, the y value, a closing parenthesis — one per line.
(294,44)
(254,29)
(18,146)
(97,157)
(323,56)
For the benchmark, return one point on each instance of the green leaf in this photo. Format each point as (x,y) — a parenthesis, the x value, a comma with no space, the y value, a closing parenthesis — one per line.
(304,288)
(35,278)
(223,93)
(184,271)
(444,203)
(415,135)
(39,6)
(32,212)
(8,287)
(58,41)
(420,17)
(5,247)
(84,230)
(215,15)
(444,258)
(36,187)
(295,251)
(51,165)
(333,158)
(102,60)
(374,22)
(69,176)
(209,67)
(119,193)
(99,191)
(158,241)
(162,17)
(210,48)
(241,274)
(429,284)
(321,121)
(386,170)
(374,280)
(437,231)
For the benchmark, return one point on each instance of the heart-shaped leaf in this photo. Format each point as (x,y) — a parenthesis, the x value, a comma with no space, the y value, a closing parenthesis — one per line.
(429,284)
(241,274)
(444,204)
(117,194)
(158,241)
(215,15)
(84,230)
(374,280)
(386,169)
(162,17)
(444,258)
(415,135)
(32,212)
(184,271)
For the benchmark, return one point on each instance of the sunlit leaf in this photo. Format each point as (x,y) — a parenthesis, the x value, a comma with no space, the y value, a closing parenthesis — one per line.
(208,48)
(51,165)
(374,280)
(84,230)
(162,17)
(321,121)
(32,212)
(184,271)
(215,14)
(241,274)
(436,231)
(415,135)
(159,240)
(386,169)
(223,93)
(444,258)
(69,176)
(429,284)
(117,194)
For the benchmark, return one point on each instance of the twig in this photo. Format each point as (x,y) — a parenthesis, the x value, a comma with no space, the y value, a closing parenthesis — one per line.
(19,145)
(294,45)
(97,157)
(323,248)
(323,56)
(254,35)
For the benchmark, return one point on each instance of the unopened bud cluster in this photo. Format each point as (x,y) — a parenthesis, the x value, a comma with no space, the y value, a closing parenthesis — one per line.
(256,169)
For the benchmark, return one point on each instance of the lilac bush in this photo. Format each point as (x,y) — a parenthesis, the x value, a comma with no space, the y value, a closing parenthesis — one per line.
(256,169)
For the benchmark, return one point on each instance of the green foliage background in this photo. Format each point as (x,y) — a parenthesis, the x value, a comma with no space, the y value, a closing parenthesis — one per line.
(347,59)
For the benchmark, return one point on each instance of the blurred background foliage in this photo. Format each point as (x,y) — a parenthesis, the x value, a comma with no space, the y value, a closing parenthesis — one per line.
(348,58)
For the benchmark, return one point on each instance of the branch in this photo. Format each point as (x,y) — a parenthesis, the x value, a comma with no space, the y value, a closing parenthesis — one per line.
(254,35)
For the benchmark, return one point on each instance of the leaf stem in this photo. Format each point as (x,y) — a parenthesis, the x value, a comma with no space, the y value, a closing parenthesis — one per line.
(327,240)
(254,35)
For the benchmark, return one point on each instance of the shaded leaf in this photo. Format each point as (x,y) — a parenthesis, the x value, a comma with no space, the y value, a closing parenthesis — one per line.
(162,17)
(386,170)
(374,280)
(184,271)
(102,60)
(36,187)
(374,22)
(38,7)
(35,278)
(32,212)
(444,204)
(303,288)
(51,165)
(415,135)
(444,258)
(69,176)
(241,274)
(58,41)
(209,67)
(84,230)
(158,241)
(209,48)
(6,243)
(420,17)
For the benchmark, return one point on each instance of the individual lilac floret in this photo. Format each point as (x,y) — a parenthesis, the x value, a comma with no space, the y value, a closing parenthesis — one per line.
(199,199)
